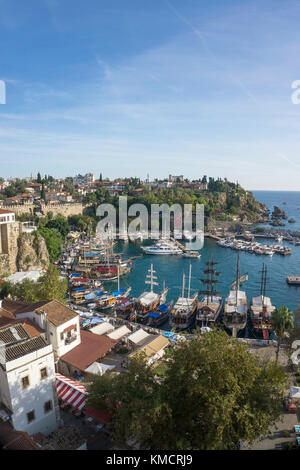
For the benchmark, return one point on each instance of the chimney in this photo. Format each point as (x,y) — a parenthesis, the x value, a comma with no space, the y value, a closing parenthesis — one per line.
(0,303)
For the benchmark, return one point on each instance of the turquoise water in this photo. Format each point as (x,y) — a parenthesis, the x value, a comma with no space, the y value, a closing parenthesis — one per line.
(171,268)
(278,198)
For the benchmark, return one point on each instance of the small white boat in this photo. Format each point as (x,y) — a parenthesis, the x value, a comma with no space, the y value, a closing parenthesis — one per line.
(191,254)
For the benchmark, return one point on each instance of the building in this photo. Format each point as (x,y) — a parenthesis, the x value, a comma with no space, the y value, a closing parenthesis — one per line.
(86,180)
(10,439)
(60,323)
(28,397)
(92,347)
(175,179)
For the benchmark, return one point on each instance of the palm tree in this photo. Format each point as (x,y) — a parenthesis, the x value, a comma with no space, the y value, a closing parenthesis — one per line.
(282,320)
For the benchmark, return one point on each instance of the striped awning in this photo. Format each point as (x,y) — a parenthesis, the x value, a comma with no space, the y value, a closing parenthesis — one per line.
(70,391)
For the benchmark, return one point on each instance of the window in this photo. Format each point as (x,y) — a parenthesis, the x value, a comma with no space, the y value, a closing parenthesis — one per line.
(30,416)
(25,381)
(48,406)
(44,373)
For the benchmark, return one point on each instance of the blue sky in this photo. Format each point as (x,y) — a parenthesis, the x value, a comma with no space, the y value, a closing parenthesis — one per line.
(130,87)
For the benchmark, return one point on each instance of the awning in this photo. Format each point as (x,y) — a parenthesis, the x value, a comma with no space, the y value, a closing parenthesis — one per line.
(96,320)
(138,336)
(153,315)
(163,308)
(70,391)
(119,333)
(98,368)
(118,292)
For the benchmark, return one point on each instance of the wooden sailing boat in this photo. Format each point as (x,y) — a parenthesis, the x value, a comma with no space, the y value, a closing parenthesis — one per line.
(261,309)
(235,311)
(184,311)
(148,301)
(211,305)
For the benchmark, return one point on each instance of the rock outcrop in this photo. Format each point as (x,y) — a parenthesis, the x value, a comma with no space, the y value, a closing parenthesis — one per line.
(32,252)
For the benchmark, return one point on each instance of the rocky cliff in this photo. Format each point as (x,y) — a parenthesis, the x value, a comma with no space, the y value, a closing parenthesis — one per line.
(32,252)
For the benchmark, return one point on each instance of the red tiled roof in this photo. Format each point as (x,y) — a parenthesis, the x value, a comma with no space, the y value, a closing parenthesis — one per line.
(16,306)
(3,211)
(31,328)
(91,348)
(57,313)
(15,440)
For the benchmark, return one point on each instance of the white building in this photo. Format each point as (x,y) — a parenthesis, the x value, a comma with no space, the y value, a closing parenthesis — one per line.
(86,180)
(60,323)
(27,381)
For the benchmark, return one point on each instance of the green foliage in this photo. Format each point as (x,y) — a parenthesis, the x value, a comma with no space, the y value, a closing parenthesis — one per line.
(43,194)
(282,321)
(48,287)
(16,187)
(53,241)
(51,286)
(214,395)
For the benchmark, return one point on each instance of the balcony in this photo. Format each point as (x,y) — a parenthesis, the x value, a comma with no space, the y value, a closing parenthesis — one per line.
(70,339)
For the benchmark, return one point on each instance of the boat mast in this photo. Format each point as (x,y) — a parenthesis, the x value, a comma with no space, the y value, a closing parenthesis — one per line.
(210,280)
(264,285)
(151,278)
(118,277)
(183,285)
(237,278)
(190,274)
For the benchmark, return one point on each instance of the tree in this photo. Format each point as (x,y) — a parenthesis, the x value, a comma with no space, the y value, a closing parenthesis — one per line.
(43,193)
(282,321)
(50,286)
(39,178)
(100,179)
(215,394)
(59,223)
(53,241)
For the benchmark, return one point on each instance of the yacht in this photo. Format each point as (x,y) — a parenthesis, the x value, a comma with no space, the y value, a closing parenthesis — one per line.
(163,247)
(184,311)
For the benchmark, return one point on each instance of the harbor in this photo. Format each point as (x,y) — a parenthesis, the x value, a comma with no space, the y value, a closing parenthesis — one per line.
(118,294)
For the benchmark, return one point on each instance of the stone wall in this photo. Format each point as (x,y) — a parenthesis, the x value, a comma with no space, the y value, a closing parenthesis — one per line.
(13,232)
(23,251)
(64,209)
(4,264)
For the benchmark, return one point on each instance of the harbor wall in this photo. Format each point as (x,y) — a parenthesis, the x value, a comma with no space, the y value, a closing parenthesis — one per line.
(63,209)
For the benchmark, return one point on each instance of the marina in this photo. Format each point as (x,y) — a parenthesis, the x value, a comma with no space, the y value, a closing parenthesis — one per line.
(213,300)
